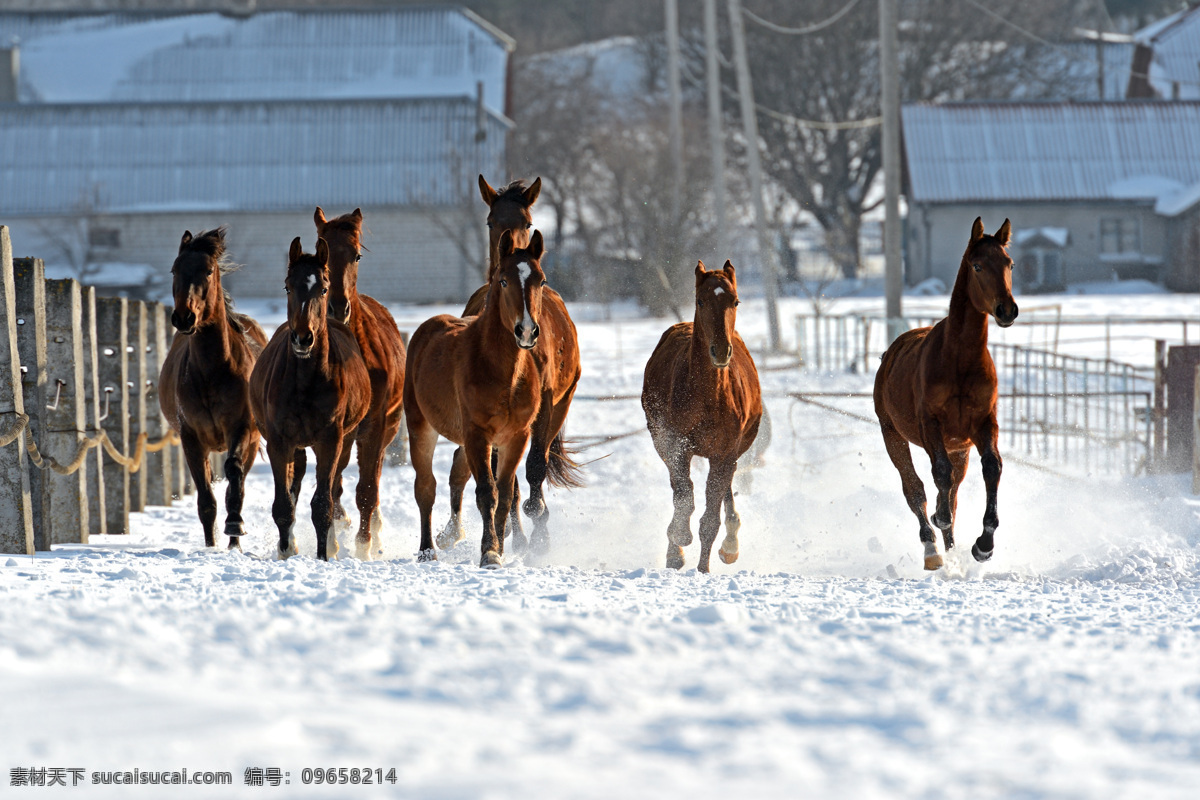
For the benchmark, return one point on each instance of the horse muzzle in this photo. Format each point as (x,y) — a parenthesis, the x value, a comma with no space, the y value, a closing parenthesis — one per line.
(302,344)
(340,313)
(184,322)
(720,360)
(1005,314)
(527,336)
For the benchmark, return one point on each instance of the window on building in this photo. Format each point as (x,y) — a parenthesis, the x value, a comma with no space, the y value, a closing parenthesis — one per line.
(108,238)
(1120,236)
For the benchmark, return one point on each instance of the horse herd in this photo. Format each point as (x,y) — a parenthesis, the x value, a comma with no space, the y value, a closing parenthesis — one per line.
(336,377)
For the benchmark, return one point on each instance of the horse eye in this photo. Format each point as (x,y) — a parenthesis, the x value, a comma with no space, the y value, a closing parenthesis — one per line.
(208,274)
(737,303)
(489,225)
(504,283)
(324,292)
(543,282)
(528,225)
(358,257)
(700,303)
(976,267)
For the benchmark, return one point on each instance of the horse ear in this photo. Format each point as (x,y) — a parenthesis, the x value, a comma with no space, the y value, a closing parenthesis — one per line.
(187,237)
(536,246)
(730,273)
(505,245)
(531,194)
(322,251)
(700,273)
(486,192)
(1004,233)
(295,251)
(319,218)
(977,229)
(357,214)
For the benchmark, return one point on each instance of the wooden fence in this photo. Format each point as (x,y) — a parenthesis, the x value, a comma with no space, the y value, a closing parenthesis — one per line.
(82,440)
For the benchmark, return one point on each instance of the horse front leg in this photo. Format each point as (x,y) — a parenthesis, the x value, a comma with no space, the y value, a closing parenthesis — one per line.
(679,464)
(507,459)
(943,470)
(546,428)
(238,460)
(329,458)
(733,523)
(479,457)
(370,440)
(460,472)
(206,502)
(989,458)
(720,483)
(959,460)
(283,510)
(914,491)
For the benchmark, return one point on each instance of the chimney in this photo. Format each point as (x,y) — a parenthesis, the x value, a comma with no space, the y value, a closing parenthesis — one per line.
(10,72)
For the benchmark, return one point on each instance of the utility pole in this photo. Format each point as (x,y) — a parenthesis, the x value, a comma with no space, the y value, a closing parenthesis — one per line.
(737,28)
(889,74)
(676,118)
(716,137)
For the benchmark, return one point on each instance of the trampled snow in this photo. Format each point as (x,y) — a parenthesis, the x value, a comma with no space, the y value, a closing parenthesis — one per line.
(824,663)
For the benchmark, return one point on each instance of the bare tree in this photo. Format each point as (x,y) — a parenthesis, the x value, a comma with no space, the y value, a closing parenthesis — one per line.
(71,238)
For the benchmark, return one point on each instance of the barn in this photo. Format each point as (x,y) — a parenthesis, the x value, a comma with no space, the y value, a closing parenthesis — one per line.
(1095,190)
(126,129)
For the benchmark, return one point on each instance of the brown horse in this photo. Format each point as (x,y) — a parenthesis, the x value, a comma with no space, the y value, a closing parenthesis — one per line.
(383,352)
(936,388)
(475,382)
(557,359)
(701,397)
(310,388)
(204,387)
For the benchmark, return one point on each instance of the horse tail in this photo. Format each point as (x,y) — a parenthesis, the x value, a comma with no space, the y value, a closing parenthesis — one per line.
(561,468)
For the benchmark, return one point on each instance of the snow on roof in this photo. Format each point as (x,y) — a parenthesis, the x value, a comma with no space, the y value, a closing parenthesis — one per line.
(1001,152)
(244,156)
(402,52)
(1056,236)
(1175,203)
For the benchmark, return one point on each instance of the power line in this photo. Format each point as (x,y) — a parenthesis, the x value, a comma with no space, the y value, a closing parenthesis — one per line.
(825,23)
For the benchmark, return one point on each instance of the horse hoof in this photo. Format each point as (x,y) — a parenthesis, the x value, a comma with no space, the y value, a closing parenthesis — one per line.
(235,543)
(680,538)
(426,556)
(942,523)
(933,562)
(981,555)
(727,558)
(284,555)
(451,535)
(491,560)
(362,551)
(376,524)
(675,557)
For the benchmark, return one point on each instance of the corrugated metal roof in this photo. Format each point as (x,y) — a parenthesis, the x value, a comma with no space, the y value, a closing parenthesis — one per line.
(401,52)
(1050,151)
(246,156)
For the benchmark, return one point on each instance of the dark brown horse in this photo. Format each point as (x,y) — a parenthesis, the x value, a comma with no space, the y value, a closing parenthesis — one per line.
(383,352)
(557,359)
(701,397)
(310,388)
(204,386)
(475,382)
(936,388)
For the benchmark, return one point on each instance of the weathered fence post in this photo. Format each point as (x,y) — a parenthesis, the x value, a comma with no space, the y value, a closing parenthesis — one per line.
(97,516)
(29,275)
(157,465)
(136,410)
(111,331)
(1160,402)
(16,503)
(1196,431)
(63,432)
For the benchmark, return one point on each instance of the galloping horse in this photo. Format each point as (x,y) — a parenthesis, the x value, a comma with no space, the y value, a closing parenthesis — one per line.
(475,382)
(701,397)
(204,386)
(936,388)
(383,352)
(310,388)
(556,356)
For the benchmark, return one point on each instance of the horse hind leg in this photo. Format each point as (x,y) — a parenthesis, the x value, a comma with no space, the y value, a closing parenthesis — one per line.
(366,495)
(914,491)
(993,465)
(453,532)
(239,457)
(958,466)
(520,542)
(733,523)
(679,462)
(283,510)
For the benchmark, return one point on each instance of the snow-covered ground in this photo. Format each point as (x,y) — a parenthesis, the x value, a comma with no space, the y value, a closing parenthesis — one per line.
(824,663)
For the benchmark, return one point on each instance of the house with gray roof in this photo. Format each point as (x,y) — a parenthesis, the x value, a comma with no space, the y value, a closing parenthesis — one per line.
(145,124)
(1094,190)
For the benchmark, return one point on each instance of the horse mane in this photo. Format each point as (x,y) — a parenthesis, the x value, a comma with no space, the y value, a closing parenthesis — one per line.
(515,191)
(211,243)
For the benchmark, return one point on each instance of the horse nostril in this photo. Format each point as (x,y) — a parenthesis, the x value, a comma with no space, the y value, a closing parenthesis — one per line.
(537,329)
(712,350)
